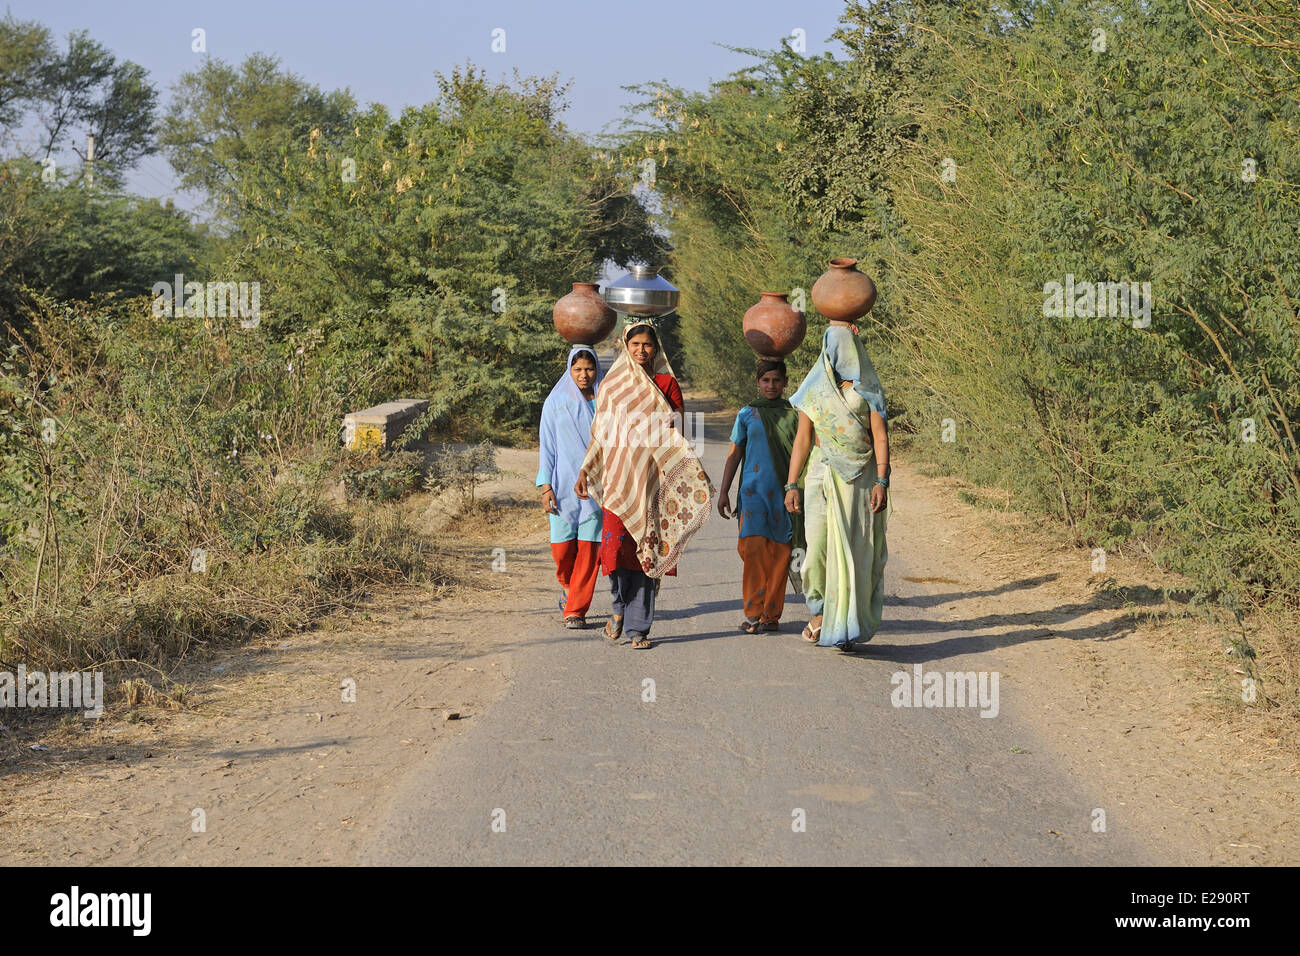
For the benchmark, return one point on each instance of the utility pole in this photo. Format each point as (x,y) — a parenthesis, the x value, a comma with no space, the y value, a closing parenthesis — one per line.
(90,159)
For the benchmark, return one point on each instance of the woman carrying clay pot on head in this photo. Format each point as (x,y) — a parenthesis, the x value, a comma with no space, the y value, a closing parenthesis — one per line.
(761,441)
(844,440)
(645,474)
(563,437)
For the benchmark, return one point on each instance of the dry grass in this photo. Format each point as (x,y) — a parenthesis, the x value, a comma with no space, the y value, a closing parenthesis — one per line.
(1213,647)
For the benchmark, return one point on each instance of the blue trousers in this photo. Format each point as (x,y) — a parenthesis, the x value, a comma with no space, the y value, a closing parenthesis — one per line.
(633,597)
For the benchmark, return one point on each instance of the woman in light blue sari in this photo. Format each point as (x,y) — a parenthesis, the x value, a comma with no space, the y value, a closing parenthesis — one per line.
(844,439)
(576,523)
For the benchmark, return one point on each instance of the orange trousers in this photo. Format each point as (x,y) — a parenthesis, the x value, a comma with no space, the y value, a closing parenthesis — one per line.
(767,565)
(576,568)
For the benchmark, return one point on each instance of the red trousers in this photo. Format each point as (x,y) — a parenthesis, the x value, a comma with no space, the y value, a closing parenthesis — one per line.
(767,563)
(576,568)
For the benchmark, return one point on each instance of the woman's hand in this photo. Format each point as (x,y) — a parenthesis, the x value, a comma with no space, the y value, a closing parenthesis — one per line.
(548,500)
(879,495)
(724,506)
(580,486)
(792,501)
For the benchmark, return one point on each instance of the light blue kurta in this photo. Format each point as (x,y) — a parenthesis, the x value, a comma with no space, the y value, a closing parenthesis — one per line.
(563,436)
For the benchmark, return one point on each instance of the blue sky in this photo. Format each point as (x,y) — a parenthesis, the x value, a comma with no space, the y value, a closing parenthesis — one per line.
(388,51)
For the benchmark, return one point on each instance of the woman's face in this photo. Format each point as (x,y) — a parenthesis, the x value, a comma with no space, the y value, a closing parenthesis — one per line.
(642,348)
(771,384)
(583,373)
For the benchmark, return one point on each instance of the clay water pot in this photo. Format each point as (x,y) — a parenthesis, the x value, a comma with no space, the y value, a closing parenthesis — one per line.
(772,328)
(582,317)
(842,292)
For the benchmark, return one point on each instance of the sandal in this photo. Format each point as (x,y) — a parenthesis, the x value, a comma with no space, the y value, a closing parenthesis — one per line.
(848,647)
(614,637)
(642,641)
(771,625)
(812,634)
(575,622)
(750,625)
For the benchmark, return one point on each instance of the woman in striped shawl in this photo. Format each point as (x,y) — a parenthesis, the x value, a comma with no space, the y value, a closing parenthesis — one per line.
(645,475)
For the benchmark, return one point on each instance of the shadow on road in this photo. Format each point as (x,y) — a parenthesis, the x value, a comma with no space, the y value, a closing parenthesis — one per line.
(708,607)
(930,600)
(1110,630)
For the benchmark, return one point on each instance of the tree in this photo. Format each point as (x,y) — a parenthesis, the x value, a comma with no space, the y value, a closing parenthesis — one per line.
(25,51)
(73,243)
(431,246)
(718,166)
(222,117)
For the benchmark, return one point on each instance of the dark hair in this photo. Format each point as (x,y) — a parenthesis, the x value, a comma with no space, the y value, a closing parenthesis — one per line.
(587,354)
(763,366)
(638,329)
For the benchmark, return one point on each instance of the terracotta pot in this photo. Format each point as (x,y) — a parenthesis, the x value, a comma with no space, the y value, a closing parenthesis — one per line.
(582,317)
(772,327)
(842,292)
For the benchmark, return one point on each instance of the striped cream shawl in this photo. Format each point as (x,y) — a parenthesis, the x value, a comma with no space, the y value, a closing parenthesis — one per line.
(643,470)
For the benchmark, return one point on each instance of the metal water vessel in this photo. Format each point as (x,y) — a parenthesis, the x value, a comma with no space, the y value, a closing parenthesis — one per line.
(642,292)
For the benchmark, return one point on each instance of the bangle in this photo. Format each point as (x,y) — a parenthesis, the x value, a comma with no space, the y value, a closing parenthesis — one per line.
(792,486)
(882,482)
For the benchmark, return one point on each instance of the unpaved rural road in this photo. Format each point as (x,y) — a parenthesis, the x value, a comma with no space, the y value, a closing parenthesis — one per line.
(748,734)
(1110,744)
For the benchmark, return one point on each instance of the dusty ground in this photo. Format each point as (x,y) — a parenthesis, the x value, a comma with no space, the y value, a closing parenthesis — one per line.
(1135,692)
(285,771)
(266,740)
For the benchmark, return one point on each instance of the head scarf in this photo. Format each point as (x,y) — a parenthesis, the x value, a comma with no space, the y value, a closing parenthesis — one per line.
(564,434)
(567,391)
(842,419)
(659,365)
(642,470)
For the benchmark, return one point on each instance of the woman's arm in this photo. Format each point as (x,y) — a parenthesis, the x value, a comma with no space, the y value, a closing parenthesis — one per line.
(593,451)
(728,473)
(546,462)
(803,440)
(674,395)
(880,439)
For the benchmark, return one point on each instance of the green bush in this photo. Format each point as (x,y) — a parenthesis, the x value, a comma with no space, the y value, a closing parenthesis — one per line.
(161,484)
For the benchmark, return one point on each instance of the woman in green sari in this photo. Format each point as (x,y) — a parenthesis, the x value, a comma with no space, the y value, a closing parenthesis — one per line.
(844,441)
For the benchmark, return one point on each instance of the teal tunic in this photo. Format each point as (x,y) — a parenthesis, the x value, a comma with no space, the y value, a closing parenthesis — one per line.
(761,500)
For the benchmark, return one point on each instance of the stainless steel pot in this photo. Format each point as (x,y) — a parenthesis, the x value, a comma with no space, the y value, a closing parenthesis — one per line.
(641,292)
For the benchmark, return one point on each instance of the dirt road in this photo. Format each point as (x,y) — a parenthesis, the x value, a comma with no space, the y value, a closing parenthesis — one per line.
(712,747)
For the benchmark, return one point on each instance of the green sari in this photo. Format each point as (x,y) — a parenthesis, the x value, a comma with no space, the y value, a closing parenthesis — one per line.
(843,573)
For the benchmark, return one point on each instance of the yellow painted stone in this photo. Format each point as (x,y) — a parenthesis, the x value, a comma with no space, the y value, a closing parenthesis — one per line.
(367,436)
